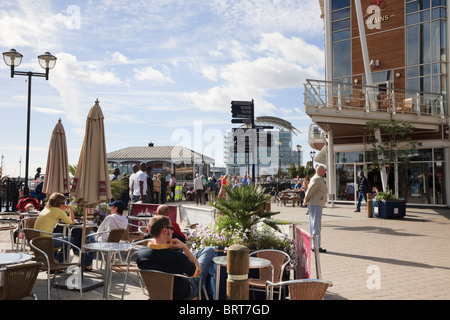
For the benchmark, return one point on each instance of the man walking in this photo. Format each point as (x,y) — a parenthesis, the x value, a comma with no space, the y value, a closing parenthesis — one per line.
(315,198)
(363,189)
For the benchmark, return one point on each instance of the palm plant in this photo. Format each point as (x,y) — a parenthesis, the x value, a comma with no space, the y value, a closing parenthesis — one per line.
(243,208)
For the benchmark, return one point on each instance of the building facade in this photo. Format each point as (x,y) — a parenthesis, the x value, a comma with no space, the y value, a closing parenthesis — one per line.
(385,59)
(271,152)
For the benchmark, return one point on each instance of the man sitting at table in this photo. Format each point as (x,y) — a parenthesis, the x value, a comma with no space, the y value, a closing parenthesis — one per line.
(163,210)
(164,256)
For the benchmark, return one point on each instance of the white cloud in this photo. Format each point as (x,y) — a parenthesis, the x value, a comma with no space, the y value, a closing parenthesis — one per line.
(48,110)
(148,73)
(209,73)
(69,68)
(119,58)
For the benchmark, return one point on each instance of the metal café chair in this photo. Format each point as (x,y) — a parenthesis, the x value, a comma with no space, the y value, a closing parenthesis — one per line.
(43,250)
(279,260)
(160,284)
(300,289)
(19,280)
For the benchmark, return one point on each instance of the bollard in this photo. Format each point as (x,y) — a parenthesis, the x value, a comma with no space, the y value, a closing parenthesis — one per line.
(237,269)
(369,205)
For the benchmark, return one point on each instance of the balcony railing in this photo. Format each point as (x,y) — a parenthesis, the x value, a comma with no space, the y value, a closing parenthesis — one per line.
(327,94)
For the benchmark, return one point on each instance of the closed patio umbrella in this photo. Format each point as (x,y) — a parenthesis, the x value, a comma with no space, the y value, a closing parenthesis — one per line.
(91,181)
(57,170)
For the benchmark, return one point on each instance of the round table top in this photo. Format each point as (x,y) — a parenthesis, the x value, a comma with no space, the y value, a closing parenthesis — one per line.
(253,262)
(109,246)
(13,258)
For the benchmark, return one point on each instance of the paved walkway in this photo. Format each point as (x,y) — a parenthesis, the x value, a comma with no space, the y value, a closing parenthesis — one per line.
(366,258)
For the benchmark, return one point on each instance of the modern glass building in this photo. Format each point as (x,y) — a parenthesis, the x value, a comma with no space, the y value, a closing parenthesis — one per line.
(385,59)
(272,153)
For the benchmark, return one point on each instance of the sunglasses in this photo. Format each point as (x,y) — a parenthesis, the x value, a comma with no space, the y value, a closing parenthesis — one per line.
(169,227)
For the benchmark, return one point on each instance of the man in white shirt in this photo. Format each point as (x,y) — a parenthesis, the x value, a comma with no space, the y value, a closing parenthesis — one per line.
(140,185)
(115,220)
(131,180)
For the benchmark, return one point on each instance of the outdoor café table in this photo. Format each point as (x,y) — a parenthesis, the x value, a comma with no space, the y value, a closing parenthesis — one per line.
(108,247)
(253,263)
(13,258)
(140,220)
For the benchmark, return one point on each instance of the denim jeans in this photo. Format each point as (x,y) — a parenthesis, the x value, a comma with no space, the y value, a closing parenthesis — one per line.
(361,196)
(315,222)
(208,275)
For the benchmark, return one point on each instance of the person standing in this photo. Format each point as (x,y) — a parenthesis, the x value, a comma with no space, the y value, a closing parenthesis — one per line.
(150,184)
(156,189)
(363,189)
(173,184)
(315,198)
(162,178)
(211,190)
(198,187)
(131,181)
(140,185)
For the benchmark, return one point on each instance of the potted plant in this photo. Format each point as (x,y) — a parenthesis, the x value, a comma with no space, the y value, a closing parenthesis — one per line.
(387,206)
(242,220)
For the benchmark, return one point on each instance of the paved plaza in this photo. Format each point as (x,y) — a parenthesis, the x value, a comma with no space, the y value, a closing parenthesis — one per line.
(366,258)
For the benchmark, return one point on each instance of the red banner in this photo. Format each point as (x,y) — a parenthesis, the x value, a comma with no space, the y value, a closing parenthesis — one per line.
(303,249)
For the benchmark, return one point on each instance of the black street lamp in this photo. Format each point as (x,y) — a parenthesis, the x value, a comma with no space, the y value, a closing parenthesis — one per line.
(13,59)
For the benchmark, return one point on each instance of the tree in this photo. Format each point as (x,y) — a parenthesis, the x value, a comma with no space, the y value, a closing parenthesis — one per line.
(391,140)
(292,171)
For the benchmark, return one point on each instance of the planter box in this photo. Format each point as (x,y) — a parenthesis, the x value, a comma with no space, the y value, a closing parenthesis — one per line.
(395,209)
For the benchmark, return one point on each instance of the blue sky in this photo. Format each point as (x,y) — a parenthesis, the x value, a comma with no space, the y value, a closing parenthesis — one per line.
(164,71)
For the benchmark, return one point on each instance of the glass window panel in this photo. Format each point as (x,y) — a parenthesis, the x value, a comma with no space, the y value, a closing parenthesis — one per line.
(412,7)
(436,40)
(412,45)
(339,4)
(412,72)
(436,68)
(438,154)
(412,84)
(436,3)
(413,183)
(425,16)
(341,24)
(341,14)
(426,43)
(443,34)
(345,182)
(341,35)
(412,19)
(424,4)
(436,84)
(342,60)
(425,70)
(438,13)
(439,182)
(425,84)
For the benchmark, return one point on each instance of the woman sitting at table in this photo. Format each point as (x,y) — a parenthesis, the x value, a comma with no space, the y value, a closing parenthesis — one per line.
(51,215)
(113,221)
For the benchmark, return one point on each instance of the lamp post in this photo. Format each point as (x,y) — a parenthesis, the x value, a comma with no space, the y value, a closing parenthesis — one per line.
(13,59)
(313,155)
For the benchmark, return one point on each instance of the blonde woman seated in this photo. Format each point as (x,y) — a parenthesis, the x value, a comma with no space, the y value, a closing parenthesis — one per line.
(51,215)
